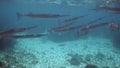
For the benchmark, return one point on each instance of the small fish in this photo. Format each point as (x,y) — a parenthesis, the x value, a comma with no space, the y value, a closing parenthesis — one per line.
(68,29)
(27,36)
(67,24)
(40,15)
(112,26)
(88,27)
(85,29)
(62,26)
(13,31)
(114,9)
(74,18)
(94,21)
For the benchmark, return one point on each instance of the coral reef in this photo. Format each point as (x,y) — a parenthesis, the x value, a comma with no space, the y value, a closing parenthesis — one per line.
(75,59)
(91,66)
(88,58)
(105,67)
(100,56)
(2,65)
(6,43)
(12,58)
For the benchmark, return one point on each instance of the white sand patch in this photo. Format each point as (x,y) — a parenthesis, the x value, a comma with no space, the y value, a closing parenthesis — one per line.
(55,55)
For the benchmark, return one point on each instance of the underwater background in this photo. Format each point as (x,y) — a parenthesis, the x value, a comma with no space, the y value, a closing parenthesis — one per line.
(91,45)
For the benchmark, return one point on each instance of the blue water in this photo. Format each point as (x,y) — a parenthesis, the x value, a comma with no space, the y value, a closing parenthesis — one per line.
(9,20)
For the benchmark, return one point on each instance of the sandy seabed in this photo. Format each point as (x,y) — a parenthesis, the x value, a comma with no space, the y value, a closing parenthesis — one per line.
(43,53)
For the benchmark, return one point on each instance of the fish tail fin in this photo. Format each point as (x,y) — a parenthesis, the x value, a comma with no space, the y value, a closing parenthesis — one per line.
(19,16)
